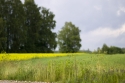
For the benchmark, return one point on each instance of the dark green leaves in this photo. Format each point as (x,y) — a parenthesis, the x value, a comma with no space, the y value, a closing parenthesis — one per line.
(26,27)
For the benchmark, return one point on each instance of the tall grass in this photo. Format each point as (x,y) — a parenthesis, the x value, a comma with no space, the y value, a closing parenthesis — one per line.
(69,69)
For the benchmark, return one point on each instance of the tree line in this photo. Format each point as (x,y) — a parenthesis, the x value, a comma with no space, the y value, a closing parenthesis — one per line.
(110,50)
(28,28)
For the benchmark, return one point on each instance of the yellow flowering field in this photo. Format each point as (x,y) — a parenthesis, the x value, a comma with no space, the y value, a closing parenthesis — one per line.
(25,56)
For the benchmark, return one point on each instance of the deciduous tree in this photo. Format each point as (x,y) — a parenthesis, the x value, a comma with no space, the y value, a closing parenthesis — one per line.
(2,36)
(47,38)
(32,24)
(12,13)
(69,38)
(105,49)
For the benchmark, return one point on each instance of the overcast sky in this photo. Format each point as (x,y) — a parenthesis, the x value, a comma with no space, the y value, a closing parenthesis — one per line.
(100,21)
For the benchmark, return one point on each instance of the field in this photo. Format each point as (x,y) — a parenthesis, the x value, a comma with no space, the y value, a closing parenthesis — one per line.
(63,68)
(23,56)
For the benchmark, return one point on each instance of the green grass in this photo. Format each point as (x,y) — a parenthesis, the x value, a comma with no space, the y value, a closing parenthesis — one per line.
(84,68)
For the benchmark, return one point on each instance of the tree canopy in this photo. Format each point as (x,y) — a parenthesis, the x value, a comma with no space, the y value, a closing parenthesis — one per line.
(26,27)
(111,50)
(69,38)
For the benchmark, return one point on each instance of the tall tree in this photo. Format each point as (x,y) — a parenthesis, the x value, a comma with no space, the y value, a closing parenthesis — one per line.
(12,13)
(2,27)
(2,36)
(27,29)
(17,29)
(32,23)
(4,14)
(69,38)
(2,5)
(47,38)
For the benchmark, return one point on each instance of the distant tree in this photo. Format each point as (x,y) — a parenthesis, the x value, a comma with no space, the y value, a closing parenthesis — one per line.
(111,50)
(98,50)
(69,38)
(123,50)
(95,51)
(105,49)
(87,51)
(115,50)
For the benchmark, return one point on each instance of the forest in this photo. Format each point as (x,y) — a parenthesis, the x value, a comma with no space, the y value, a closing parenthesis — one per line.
(26,27)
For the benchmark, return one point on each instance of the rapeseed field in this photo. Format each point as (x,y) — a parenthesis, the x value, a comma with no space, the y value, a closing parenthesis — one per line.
(26,56)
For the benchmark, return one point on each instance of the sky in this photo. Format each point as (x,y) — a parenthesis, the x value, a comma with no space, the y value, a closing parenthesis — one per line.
(100,21)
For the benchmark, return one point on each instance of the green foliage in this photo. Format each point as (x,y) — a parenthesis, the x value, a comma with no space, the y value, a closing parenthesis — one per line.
(115,50)
(29,1)
(2,35)
(123,49)
(26,27)
(32,24)
(111,50)
(17,28)
(105,49)
(47,38)
(69,38)
(13,17)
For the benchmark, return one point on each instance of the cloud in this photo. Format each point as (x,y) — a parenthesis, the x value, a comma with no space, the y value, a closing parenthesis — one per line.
(96,38)
(97,7)
(108,32)
(120,11)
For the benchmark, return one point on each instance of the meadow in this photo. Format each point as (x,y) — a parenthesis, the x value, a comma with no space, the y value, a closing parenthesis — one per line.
(63,68)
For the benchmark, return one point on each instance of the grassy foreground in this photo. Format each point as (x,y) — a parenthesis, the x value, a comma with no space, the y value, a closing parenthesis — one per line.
(74,68)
